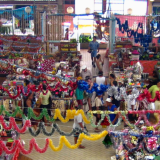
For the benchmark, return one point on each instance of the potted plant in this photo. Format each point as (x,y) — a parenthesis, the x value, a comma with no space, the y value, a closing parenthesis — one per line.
(84,41)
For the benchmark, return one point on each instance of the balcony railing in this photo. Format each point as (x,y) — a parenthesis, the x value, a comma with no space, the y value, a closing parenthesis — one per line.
(27,1)
(32,0)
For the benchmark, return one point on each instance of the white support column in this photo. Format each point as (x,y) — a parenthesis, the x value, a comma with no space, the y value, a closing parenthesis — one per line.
(112,29)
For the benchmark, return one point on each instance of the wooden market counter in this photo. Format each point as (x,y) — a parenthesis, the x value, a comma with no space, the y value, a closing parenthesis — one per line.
(148,65)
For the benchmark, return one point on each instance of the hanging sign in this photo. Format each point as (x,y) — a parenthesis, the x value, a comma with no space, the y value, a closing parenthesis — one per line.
(104,6)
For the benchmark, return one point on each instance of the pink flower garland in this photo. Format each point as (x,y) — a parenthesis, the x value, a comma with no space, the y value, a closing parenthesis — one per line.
(32,88)
(143,116)
(13,124)
(152,143)
(18,145)
(146,94)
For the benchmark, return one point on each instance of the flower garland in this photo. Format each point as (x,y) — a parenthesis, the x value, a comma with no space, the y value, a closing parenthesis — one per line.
(146,94)
(144,117)
(54,128)
(91,119)
(82,85)
(125,119)
(18,145)
(114,125)
(69,114)
(125,112)
(82,136)
(13,125)
(32,88)
(63,140)
(41,127)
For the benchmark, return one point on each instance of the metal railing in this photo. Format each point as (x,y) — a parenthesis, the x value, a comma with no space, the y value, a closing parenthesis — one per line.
(32,0)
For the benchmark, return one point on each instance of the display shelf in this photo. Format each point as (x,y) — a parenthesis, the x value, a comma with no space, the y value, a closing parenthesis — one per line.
(67,47)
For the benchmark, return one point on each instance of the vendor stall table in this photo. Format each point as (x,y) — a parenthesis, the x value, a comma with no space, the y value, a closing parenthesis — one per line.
(148,66)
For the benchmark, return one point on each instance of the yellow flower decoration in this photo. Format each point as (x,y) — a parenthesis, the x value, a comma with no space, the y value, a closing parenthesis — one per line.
(134,140)
(150,128)
(79,78)
(70,115)
(63,140)
(53,72)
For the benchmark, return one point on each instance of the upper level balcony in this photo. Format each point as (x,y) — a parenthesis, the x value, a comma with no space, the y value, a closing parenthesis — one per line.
(26,2)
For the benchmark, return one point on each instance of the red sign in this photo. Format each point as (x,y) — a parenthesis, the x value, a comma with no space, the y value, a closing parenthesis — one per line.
(104,6)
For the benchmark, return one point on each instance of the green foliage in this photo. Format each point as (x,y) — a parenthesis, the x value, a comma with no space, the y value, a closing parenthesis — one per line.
(85,39)
(73,41)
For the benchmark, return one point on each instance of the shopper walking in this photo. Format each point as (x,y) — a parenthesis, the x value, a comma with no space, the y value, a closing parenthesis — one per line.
(78,123)
(99,64)
(93,49)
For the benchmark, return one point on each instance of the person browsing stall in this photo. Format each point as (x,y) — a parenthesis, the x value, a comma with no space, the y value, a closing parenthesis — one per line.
(112,78)
(27,104)
(114,100)
(85,72)
(89,95)
(111,107)
(93,49)
(153,90)
(98,105)
(45,98)
(78,123)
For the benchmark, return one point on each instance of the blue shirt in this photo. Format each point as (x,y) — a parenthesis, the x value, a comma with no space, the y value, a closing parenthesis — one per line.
(94,46)
(112,116)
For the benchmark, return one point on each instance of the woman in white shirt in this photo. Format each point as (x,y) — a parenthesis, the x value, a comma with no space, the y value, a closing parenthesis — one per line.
(44,99)
(100,79)
(99,64)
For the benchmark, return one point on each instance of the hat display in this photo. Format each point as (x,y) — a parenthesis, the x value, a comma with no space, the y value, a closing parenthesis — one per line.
(108,100)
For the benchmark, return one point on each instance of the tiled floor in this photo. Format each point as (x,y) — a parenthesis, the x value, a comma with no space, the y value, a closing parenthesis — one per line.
(94,150)
(86,60)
